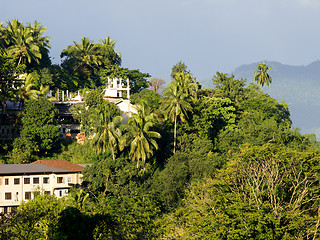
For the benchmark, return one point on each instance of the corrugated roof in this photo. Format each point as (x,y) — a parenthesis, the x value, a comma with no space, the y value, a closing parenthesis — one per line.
(60,163)
(35,168)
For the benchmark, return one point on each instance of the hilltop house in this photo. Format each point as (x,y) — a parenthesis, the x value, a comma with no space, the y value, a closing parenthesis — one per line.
(20,182)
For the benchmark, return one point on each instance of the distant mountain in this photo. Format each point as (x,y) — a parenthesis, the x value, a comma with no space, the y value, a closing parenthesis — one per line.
(299,86)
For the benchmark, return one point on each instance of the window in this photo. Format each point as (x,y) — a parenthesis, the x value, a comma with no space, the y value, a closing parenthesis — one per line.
(60,193)
(60,180)
(7,196)
(27,195)
(69,179)
(6,181)
(16,181)
(27,181)
(36,180)
(45,180)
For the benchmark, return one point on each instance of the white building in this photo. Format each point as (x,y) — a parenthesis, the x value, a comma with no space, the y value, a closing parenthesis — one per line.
(20,182)
(113,93)
(115,87)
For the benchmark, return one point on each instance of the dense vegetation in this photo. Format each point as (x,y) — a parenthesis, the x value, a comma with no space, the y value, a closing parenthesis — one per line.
(222,163)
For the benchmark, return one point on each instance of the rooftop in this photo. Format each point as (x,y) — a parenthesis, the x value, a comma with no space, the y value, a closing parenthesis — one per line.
(35,168)
(60,163)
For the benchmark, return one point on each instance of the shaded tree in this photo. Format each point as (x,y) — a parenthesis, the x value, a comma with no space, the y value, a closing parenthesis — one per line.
(39,134)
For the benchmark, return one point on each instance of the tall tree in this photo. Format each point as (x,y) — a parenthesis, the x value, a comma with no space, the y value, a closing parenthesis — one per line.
(176,106)
(187,84)
(142,139)
(180,67)
(261,76)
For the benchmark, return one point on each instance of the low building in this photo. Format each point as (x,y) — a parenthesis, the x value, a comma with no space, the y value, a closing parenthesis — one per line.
(20,182)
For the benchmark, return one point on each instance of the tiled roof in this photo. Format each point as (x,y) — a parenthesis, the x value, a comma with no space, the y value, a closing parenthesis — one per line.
(36,168)
(60,163)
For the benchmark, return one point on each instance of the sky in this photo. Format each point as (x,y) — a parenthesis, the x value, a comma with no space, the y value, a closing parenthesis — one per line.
(207,35)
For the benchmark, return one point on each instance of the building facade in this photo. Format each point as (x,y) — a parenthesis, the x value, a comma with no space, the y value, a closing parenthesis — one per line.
(21,182)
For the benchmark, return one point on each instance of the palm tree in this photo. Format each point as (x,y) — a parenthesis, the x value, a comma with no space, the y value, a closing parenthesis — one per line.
(108,42)
(186,84)
(176,106)
(84,54)
(261,76)
(108,52)
(26,91)
(42,42)
(107,132)
(142,139)
(21,43)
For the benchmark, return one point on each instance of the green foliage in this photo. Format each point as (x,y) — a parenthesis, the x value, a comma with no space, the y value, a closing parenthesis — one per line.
(210,115)
(134,214)
(140,137)
(261,76)
(36,219)
(93,98)
(137,79)
(180,67)
(39,135)
(150,98)
(25,43)
(193,161)
(263,193)
(9,82)
(228,87)
(79,153)
(110,177)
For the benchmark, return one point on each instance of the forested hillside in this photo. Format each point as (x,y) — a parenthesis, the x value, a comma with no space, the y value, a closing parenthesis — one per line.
(296,85)
(193,163)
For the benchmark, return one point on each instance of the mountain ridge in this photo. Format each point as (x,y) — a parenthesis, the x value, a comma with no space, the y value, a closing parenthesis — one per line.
(298,86)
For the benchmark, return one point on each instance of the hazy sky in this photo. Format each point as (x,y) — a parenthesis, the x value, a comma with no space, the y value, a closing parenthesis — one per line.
(208,35)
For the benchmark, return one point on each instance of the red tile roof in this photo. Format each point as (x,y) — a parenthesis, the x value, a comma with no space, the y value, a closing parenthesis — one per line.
(62,164)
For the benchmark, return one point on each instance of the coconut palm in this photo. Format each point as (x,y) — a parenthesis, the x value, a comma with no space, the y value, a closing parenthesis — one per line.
(107,46)
(41,41)
(107,132)
(261,76)
(108,42)
(142,140)
(186,84)
(27,91)
(176,106)
(21,43)
(84,54)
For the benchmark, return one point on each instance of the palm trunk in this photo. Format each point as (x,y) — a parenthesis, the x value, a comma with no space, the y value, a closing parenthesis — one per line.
(175,132)
(113,156)
(19,60)
(137,167)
